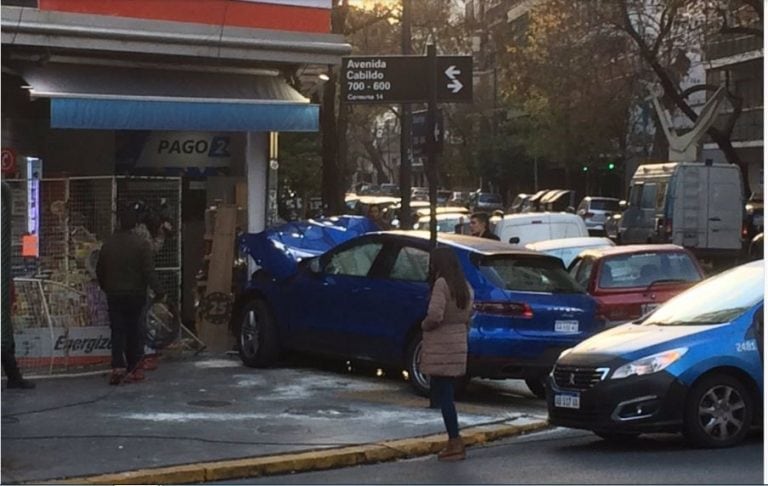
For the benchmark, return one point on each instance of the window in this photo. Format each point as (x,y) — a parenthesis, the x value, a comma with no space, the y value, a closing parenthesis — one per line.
(355,262)
(634,194)
(411,264)
(660,195)
(527,274)
(582,271)
(643,269)
(648,197)
(604,205)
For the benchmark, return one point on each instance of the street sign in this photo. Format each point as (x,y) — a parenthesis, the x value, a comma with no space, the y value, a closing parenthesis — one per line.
(9,161)
(404,79)
(421,133)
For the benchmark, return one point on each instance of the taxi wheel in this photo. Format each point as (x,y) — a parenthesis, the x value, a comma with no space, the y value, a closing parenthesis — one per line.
(419,380)
(258,336)
(718,412)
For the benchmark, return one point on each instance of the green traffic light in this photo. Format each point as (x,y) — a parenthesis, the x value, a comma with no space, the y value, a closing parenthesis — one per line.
(611,166)
(584,168)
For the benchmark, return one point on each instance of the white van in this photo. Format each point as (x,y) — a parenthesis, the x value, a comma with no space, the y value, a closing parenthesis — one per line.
(524,228)
(692,204)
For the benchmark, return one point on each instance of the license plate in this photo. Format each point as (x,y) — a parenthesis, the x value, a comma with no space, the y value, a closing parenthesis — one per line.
(567,326)
(646,308)
(567,400)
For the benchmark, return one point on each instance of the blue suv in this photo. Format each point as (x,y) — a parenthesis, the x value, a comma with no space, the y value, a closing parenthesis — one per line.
(693,365)
(365,299)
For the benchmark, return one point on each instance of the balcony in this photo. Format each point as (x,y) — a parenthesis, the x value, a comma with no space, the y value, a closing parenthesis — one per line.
(733,49)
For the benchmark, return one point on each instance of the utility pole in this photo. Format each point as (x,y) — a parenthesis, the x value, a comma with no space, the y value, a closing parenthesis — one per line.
(405,130)
(432,136)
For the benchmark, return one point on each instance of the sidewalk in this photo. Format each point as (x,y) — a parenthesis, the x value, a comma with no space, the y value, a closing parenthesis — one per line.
(214,416)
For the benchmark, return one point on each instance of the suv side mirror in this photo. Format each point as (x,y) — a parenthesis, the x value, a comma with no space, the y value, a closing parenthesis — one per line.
(623,205)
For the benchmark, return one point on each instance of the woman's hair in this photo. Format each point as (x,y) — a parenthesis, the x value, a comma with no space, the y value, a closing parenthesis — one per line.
(444,263)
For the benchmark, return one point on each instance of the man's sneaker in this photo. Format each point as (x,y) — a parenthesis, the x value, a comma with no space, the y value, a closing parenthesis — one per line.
(117,376)
(21,383)
(134,376)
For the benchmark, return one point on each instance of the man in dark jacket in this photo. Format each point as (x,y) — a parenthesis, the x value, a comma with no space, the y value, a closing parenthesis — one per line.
(478,226)
(125,269)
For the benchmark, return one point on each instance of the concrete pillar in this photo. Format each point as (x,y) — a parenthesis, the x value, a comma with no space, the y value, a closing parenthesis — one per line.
(256,169)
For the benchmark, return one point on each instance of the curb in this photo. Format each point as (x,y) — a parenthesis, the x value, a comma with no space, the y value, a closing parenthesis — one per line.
(314,460)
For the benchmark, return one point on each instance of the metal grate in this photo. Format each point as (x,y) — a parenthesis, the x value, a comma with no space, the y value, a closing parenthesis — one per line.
(57,291)
(577,378)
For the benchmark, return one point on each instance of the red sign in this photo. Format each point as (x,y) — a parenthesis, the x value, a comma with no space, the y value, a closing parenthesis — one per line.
(9,161)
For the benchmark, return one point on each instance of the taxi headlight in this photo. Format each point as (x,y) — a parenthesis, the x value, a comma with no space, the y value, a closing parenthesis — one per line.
(649,364)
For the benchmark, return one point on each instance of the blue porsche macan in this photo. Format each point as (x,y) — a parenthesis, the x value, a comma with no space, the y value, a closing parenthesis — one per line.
(693,365)
(365,298)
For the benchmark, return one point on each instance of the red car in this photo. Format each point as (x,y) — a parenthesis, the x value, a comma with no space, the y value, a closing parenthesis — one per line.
(630,281)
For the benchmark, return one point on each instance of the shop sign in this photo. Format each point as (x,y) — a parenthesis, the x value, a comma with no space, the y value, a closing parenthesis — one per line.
(63,342)
(186,149)
(9,166)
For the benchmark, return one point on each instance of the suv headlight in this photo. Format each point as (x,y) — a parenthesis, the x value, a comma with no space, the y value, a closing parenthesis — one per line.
(649,364)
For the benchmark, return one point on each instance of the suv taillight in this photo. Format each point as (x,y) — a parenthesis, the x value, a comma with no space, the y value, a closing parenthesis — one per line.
(511,309)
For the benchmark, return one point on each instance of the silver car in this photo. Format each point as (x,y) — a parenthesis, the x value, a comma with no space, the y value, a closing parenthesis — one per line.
(595,211)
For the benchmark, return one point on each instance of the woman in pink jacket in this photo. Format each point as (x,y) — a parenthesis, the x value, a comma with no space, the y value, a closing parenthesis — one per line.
(444,340)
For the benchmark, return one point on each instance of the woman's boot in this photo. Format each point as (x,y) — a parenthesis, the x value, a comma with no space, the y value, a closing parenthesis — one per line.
(454,450)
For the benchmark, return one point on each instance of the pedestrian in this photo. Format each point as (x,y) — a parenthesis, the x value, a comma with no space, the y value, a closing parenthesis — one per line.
(125,270)
(374,214)
(478,226)
(8,351)
(444,340)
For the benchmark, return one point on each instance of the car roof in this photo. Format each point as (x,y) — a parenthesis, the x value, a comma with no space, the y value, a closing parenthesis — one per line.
(475,244)
(630,249)
(584,241)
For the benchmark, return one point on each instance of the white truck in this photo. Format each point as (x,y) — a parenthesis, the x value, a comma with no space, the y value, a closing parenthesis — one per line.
(696,205)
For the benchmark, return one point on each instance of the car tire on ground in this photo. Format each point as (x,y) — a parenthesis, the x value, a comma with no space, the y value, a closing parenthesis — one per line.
(617,437)
(537,385)
(258,343)
(418,380)
(718,411)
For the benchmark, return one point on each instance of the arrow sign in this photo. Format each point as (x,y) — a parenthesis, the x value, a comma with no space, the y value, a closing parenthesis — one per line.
(403,79)
(455,85)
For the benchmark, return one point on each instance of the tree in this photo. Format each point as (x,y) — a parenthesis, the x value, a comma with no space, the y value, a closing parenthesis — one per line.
(665,31)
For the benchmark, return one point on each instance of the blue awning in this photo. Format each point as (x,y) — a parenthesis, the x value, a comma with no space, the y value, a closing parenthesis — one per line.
(121,98)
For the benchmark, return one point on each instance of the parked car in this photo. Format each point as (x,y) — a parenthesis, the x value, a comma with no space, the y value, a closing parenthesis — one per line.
(519,203)
(365,300)
(393,213)
(567,249)
(389,189)
(630,281)
(446,221)
(485,202)
(612,225)
(694,365)
(596,211)
(444,196)
(531,205)
(520,229)
(559,200)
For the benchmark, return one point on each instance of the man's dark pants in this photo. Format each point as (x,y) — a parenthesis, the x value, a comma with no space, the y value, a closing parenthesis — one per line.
(125,322)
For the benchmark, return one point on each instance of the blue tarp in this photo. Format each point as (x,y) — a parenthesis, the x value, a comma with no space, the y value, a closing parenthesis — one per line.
(279,249)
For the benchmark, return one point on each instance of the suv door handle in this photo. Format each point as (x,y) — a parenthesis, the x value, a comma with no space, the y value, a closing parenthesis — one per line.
(714,219)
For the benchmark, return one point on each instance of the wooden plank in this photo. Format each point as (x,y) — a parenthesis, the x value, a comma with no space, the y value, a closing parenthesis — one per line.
(216,335)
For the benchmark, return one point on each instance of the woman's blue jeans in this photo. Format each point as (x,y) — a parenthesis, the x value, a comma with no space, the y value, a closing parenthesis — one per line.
(441,388)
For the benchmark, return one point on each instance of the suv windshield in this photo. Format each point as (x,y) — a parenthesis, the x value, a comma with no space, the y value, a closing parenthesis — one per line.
(715,301)
(527,274)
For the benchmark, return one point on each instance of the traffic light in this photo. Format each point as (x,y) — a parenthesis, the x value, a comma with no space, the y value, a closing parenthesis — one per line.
(611,166)
(584,168)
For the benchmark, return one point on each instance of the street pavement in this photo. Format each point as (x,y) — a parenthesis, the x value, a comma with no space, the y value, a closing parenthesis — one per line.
(219,420)
(560,456)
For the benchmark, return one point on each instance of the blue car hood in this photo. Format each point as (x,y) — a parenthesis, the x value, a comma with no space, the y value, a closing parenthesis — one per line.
(627,338)
(279,249)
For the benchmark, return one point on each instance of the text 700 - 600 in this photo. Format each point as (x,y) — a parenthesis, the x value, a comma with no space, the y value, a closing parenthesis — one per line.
(360,86)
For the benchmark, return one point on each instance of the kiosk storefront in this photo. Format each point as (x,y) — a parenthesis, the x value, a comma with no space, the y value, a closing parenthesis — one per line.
(168,102)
